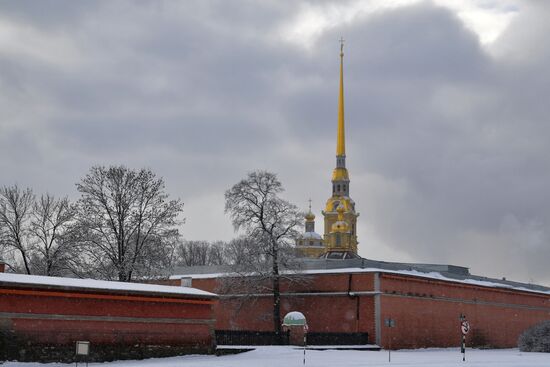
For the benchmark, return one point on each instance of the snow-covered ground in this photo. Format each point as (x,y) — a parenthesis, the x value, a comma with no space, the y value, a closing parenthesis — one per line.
(289,357)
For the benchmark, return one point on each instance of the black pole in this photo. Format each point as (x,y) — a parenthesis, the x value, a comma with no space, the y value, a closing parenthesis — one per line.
(389,350)
(463,347)
(305,343)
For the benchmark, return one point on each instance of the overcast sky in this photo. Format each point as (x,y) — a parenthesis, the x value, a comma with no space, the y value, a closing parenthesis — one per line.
(447,113)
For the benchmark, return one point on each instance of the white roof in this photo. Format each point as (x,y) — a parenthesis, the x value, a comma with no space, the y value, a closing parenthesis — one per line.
(94,284)
(430,275)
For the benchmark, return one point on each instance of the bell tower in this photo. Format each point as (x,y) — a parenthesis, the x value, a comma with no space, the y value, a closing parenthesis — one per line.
(340,236)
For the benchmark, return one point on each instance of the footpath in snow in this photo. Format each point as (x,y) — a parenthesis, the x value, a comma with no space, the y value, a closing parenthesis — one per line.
(290,357)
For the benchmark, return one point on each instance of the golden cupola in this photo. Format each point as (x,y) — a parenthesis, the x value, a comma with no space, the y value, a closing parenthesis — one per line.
(309,243)
(340,235)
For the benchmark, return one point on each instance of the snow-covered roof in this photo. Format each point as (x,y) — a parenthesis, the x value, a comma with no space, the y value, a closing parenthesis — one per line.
(430,275)
(99,285)
(453,274)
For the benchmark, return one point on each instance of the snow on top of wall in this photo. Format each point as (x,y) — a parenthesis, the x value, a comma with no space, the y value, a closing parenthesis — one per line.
(430,275)
(99,284)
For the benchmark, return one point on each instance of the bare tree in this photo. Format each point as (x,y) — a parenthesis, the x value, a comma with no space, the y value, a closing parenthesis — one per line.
(247,255)
(193,253)
(50,226)
(15,213)
(269,222)
(216,255)
(126,224)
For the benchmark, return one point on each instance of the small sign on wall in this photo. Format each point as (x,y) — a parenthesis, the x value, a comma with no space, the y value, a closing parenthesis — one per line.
(82,348)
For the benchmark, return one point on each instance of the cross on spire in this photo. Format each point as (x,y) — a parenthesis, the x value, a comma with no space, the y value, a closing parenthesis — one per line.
(342,40)
(309,205)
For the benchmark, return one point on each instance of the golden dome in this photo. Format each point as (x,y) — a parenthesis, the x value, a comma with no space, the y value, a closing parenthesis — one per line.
(310,216)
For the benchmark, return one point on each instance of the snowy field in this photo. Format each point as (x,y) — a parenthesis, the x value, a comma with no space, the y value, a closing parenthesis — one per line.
(288,357)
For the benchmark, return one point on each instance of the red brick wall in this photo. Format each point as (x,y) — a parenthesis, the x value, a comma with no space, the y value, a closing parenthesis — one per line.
(57,318)
(324,313)
(35,303)
(98,332)
(427,311)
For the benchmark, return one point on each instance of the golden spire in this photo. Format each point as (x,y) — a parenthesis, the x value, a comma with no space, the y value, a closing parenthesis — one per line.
(341,141)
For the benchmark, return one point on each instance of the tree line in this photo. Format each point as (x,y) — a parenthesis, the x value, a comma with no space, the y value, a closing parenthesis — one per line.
(125,227)
(122,227)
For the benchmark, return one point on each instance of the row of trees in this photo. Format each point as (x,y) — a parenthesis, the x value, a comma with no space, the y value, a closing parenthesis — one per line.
(124,227)
(243,253)
(34,230)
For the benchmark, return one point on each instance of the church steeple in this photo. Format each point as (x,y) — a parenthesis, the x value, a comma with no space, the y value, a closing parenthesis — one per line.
(309,243)
(340,236)
(340,176)
(341,138)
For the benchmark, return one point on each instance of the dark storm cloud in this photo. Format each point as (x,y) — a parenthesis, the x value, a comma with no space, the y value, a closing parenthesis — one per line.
(447,139)
(46,13)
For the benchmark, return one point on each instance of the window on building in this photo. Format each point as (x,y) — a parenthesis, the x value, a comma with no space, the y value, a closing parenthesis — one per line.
(338,239)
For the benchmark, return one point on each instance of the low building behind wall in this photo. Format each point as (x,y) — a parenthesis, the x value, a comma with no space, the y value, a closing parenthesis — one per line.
(41,318)
(424,300)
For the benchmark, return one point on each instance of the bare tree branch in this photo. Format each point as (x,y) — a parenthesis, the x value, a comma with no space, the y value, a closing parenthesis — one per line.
(51,222)
(15,211)
(126,222)
(270,224)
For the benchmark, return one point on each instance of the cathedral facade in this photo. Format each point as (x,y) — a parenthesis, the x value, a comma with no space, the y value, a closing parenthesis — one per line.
(340,218)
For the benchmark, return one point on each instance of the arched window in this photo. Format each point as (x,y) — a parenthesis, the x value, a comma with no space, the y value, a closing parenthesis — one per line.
(338,188)
(338,239)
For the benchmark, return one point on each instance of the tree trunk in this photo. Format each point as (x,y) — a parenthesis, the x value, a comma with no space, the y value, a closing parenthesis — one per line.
(277,327)
(25,261)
